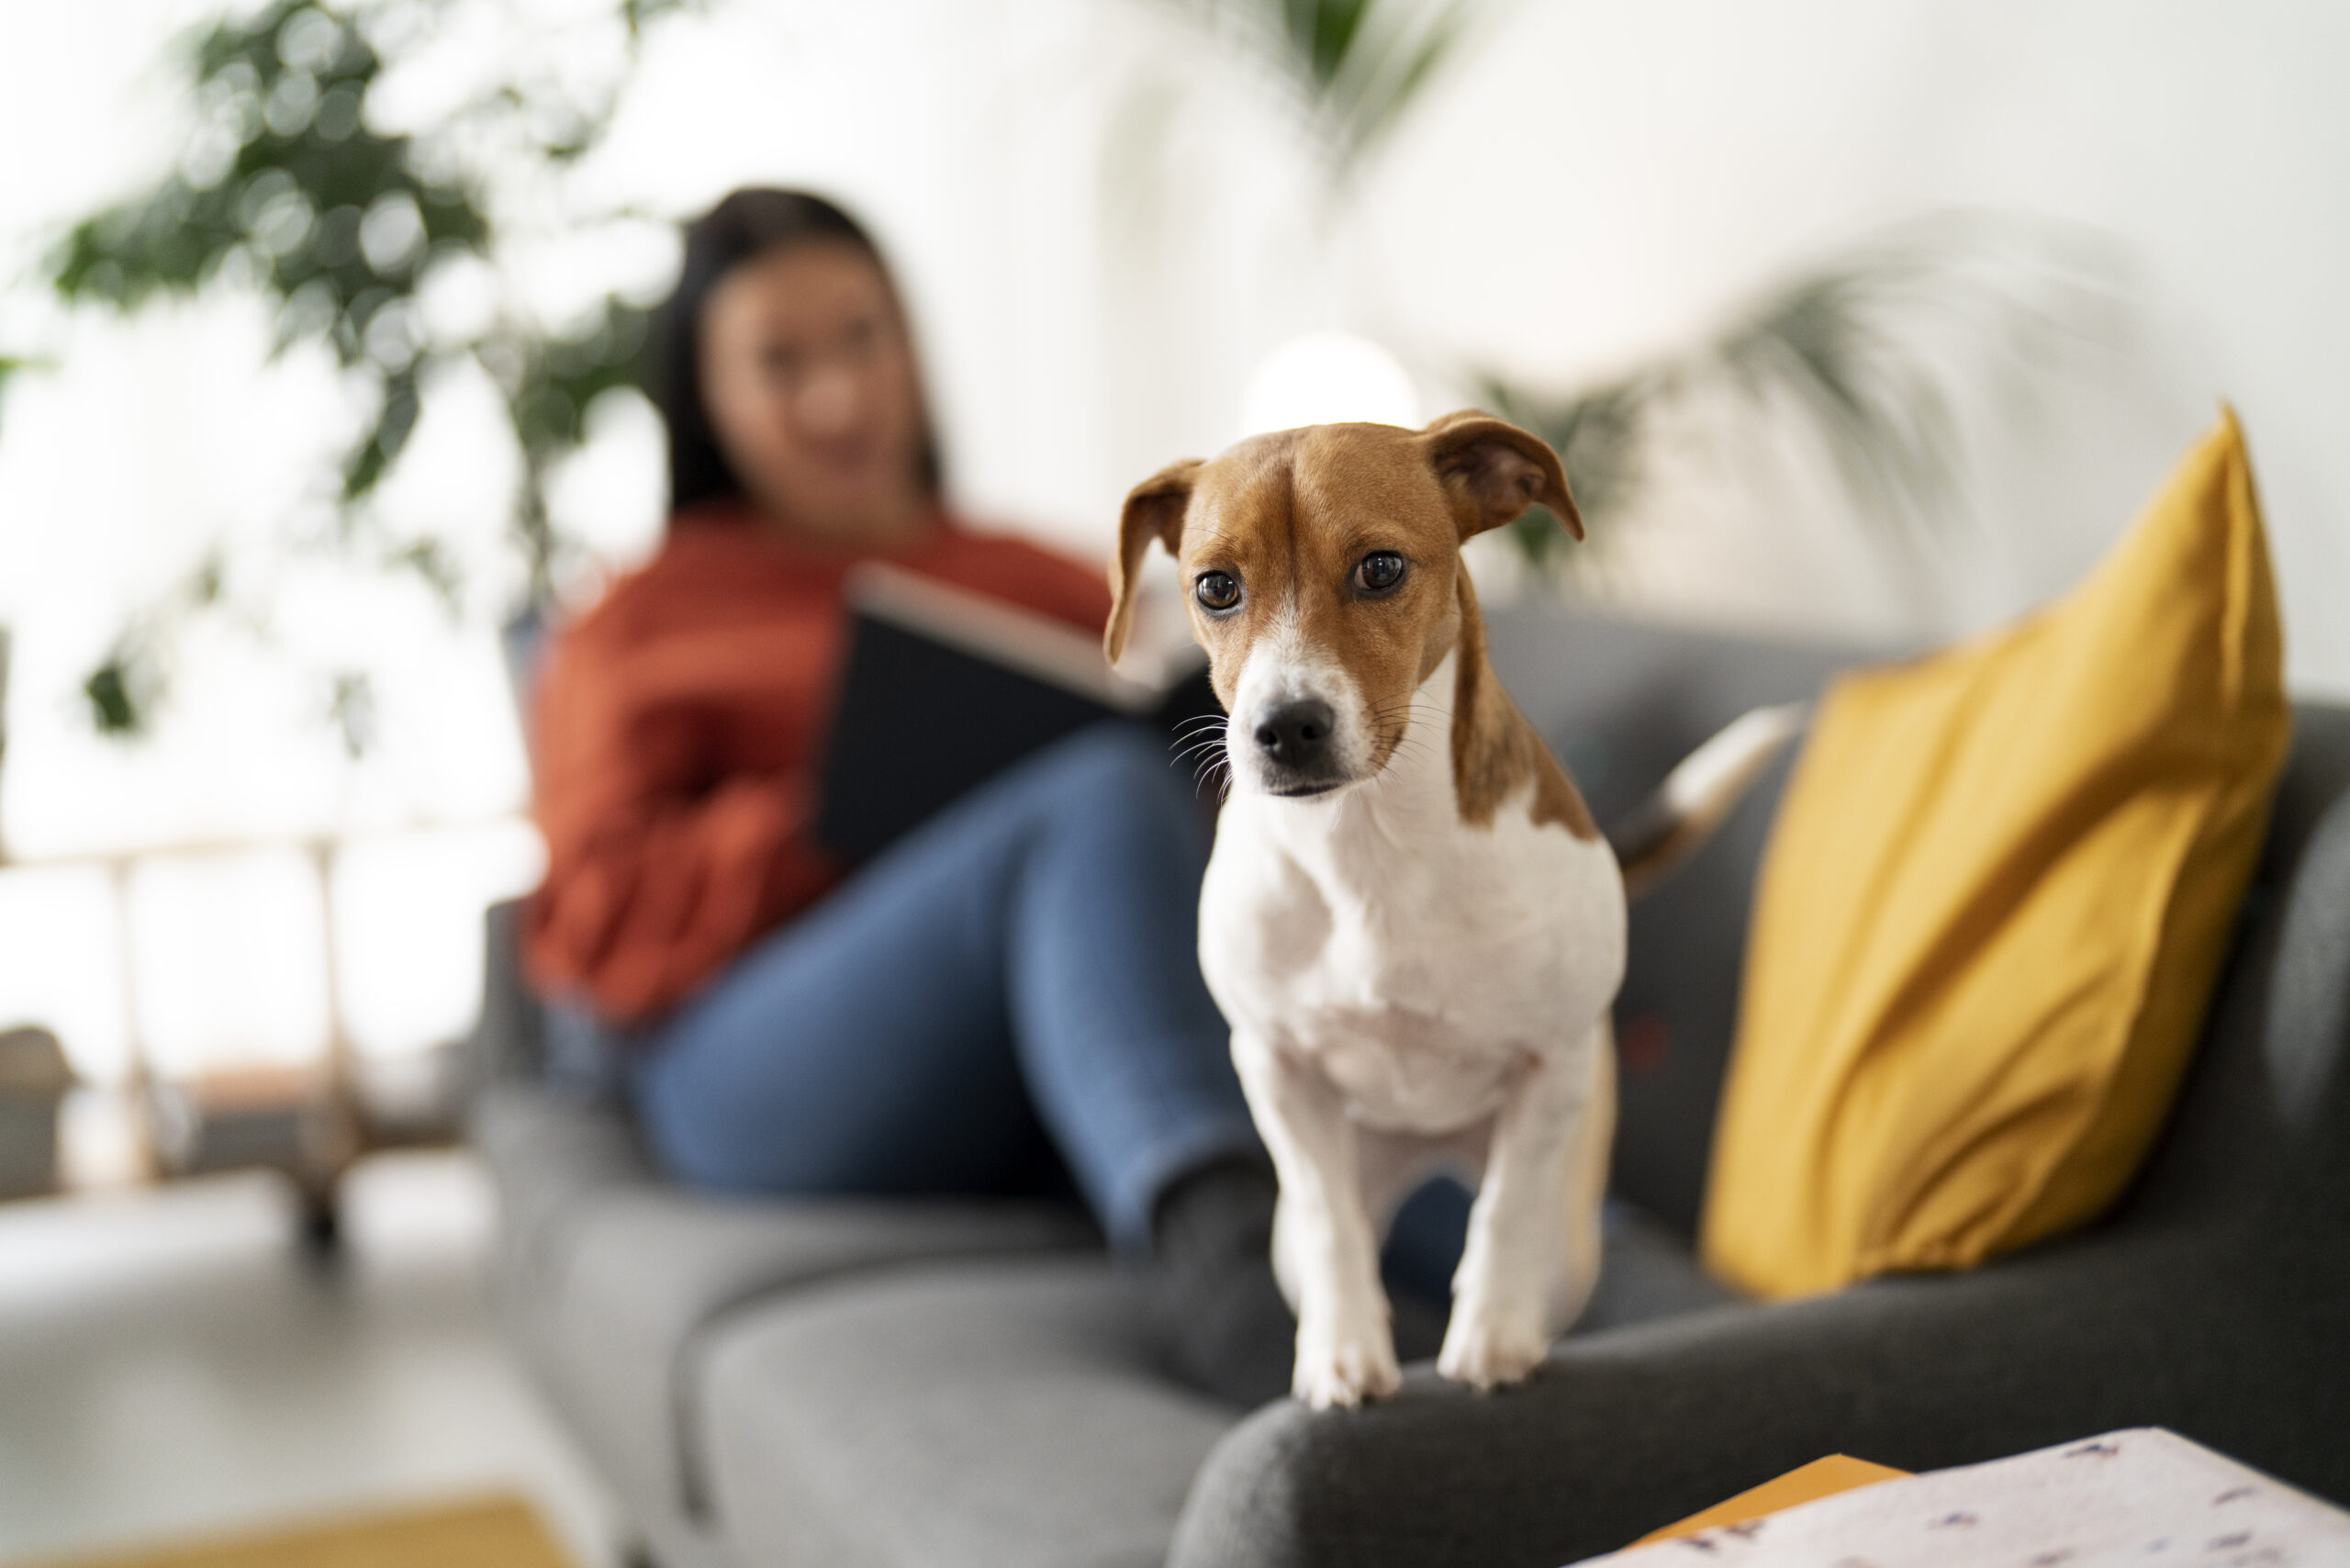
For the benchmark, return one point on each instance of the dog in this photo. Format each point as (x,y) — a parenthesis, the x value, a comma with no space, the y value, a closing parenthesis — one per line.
(1412,924)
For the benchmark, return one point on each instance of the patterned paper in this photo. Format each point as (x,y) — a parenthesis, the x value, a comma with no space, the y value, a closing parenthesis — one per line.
(2146,1498)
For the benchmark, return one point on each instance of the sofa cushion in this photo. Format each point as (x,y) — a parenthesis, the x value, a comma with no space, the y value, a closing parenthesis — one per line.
(548,1153)
(978,1413)
(1997,900)
(1003,1411)
(652,1270)
(608,1276)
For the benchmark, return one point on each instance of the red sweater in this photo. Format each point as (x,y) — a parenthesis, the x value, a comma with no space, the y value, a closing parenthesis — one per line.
(679,732)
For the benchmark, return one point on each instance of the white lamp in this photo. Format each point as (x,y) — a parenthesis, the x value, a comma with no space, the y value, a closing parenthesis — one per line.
(1328,378)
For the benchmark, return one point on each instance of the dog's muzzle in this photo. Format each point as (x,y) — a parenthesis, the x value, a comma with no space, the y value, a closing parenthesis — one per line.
(1293,754)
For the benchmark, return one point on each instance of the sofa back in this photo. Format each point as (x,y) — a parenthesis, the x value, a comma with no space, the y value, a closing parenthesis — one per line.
(1621,702)
(2265,1118)
(2260,1141)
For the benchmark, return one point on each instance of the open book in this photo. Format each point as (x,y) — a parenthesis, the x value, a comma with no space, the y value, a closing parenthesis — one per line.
(943,688)
(2126,1499)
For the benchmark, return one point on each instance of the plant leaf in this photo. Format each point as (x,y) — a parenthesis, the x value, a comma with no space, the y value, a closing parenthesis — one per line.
(121,693)
(1835,347)
(1357,66)
(284,187)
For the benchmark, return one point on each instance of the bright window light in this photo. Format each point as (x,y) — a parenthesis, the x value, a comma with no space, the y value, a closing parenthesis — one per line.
(408,916)
(62,964)
(228,949)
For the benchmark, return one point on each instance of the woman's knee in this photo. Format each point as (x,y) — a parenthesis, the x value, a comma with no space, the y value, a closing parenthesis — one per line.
(1116,759)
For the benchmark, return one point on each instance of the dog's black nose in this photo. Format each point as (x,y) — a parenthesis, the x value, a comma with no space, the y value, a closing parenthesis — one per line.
(1295,734)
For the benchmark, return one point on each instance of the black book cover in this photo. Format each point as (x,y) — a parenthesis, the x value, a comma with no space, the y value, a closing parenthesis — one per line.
(942,689)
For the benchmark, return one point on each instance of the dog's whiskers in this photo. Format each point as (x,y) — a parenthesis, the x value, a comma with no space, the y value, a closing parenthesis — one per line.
(1215,770)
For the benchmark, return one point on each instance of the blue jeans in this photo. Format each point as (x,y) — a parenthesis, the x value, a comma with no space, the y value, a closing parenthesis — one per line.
(1023,965)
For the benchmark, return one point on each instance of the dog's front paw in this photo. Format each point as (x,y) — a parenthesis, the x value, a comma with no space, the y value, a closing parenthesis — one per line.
(1345,1365)
(1485,1348)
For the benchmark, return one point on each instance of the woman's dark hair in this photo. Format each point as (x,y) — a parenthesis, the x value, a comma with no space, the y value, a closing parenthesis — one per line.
(745,226)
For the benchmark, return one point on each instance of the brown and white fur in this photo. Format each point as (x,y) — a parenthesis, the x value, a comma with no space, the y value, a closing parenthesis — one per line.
(1410,922)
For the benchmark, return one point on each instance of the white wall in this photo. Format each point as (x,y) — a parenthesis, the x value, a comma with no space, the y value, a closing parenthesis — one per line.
(1671,152)
(1105,225)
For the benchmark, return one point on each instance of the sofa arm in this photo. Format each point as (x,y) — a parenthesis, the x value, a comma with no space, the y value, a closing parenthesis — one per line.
(509,1041)
(2212,1302)
(1624,1431)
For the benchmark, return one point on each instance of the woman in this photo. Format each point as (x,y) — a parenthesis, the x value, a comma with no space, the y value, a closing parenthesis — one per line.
(1015,979)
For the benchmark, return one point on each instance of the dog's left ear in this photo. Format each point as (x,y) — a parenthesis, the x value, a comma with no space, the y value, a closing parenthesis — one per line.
(1493,471)
(1154,509)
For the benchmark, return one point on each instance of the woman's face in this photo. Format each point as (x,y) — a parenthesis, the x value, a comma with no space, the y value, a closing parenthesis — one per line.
(810,383)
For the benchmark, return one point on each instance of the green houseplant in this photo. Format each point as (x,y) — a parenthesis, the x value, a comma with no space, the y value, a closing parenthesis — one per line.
(288,189)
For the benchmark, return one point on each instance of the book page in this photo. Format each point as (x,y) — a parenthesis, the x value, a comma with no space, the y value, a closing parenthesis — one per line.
(989,629)
(2138,1497)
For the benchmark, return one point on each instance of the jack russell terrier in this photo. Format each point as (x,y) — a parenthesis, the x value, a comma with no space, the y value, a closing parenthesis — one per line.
(1410,921)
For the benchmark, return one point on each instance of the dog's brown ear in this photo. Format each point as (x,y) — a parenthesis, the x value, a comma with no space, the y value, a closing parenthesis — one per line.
(1154,509)
(1493,471)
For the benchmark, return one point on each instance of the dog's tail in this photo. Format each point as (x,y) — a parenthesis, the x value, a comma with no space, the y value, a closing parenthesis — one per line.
(1699,794)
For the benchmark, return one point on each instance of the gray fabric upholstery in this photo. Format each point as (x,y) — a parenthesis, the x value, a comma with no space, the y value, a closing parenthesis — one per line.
(1621,703)
(650,1271)
(611,1276)
(510,1036)
(549,1156)
(2214,1300)
(1007,1411)
(1647,1273)
(981,1413)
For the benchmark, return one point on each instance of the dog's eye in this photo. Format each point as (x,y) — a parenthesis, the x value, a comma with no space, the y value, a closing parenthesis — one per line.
(1217,591)
(1379,571)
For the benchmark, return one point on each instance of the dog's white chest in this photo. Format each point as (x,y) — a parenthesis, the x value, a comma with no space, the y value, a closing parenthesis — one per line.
(1420,962)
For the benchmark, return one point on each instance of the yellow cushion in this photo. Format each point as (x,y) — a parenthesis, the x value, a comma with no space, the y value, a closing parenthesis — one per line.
(1993,909)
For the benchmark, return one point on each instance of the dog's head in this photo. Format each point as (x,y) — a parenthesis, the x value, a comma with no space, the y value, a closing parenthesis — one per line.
(1320,567)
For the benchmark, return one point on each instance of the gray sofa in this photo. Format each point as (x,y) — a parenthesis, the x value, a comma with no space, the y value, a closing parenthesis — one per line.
(970,1383)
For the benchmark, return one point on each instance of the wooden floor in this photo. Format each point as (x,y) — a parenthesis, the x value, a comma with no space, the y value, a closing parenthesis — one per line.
(492,1532)
(172,1368)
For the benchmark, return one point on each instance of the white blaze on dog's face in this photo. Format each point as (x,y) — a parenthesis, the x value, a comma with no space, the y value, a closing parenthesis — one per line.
(1321,571)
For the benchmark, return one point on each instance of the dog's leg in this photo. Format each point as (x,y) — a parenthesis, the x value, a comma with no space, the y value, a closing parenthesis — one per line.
(1575,1274)
(1325,1253)
(1533,1250)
